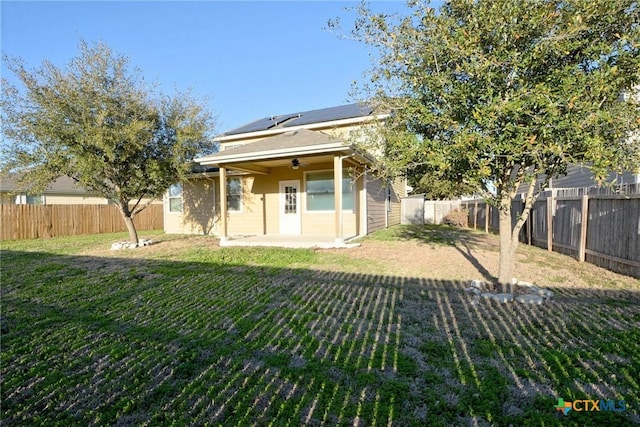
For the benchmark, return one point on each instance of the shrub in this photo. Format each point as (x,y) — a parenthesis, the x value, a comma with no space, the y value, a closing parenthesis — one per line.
(457,218)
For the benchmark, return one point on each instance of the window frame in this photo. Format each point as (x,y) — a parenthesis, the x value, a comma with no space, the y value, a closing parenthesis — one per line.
(352,183)
(241,195)
(170,198)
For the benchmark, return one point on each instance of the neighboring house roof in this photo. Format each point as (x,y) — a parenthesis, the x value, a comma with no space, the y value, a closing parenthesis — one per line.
(302,118)
(62,185)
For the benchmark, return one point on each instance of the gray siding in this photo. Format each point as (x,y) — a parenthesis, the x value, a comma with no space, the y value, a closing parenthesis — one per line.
(376,205)
(581,176)
(382,213)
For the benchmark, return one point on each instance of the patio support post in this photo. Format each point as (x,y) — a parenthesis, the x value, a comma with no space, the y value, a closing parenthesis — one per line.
(337,189)
(223,204)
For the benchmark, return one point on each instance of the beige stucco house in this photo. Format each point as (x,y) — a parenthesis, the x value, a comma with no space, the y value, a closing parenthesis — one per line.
(62,191)
(291,175)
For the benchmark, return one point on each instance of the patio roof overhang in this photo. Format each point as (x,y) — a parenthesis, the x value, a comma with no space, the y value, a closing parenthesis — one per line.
(260,156)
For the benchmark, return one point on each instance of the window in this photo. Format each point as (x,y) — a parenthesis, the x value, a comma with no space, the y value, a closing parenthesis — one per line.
(175,198)
(234,195)
(35,200)
(27,199)
(320,194)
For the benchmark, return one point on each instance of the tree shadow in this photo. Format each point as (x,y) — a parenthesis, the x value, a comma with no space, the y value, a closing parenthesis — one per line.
(463,240)
(238,337)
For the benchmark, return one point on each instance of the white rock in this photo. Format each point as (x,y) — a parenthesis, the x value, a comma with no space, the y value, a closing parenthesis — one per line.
(530,299)
(546,294)
(473,290)
(498,297)
(526,285)
(479,284)
(128,245)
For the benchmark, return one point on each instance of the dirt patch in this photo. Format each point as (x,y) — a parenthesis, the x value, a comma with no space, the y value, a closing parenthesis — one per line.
(478,259)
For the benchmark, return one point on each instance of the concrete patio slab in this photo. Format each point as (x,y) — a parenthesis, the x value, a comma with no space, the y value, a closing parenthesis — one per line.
(288,241)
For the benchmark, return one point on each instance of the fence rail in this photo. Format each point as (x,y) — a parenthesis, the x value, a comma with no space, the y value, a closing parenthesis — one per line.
(37,221)
(602,229)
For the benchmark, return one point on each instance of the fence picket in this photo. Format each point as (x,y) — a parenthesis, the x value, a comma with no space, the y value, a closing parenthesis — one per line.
(594,226)
(38,221)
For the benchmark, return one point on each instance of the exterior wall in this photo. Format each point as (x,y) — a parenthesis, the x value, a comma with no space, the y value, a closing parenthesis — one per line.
(398,190)
(63,199)
(198,215)
(383,203)
(74,200)
(55,199)
(376,205)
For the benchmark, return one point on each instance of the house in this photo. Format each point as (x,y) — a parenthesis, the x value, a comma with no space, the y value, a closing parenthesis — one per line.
(581,178)
(62,191)
(290,175)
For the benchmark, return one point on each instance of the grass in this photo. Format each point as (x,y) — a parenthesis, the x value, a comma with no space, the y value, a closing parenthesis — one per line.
(194,334)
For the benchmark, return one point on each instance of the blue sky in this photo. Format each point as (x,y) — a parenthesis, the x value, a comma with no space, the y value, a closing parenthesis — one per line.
(250,59)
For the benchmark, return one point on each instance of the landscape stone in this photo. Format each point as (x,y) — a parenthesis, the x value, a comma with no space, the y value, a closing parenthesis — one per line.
(530,299)
(479,284)
(528,293)
(473,290)
(129,245)
(506,297)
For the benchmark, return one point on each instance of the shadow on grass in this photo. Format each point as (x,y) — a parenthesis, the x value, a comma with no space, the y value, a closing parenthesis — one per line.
(235,337)
(463,240)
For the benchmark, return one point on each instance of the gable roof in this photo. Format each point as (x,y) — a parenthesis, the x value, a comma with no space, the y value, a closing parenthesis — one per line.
(302,118)
(62,185)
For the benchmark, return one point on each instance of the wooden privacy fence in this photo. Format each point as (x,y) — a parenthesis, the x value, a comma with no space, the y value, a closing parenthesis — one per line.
(603,229)
(37,221)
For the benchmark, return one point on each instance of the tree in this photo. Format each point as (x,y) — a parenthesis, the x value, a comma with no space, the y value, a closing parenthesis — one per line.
(97,122)
(497,92)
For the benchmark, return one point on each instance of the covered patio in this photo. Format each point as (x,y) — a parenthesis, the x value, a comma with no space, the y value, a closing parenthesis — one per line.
(278,199)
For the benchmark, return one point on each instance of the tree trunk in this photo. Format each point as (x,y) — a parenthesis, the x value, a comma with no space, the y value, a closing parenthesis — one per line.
(133,234)
(128,221)
(508,245)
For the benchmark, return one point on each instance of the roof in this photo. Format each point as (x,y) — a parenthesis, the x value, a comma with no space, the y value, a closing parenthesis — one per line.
(62,185)
(299,142)
(304,118)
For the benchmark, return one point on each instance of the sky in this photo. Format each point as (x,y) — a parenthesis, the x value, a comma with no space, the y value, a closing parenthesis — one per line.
(246,60)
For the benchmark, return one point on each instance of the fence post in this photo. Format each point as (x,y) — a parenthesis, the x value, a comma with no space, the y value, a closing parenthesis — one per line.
(487,213)
(550,222)
(530,224)
(475,216)
(583,228)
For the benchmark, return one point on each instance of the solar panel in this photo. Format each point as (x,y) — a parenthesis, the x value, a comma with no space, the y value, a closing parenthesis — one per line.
(305,118)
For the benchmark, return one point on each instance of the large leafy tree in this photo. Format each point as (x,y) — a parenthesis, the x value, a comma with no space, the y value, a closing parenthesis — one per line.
(98,122)
(497,93)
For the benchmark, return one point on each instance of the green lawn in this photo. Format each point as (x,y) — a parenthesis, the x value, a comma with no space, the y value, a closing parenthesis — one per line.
(185,334)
